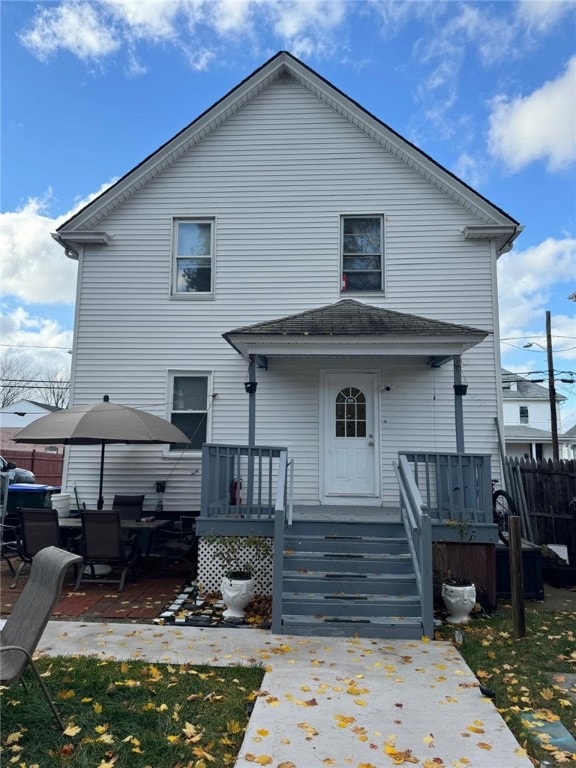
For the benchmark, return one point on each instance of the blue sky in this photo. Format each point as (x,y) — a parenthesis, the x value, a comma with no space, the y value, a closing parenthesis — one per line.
(486,88)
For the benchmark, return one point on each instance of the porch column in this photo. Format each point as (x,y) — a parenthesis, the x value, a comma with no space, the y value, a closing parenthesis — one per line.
(251,401)
(458,405)
(251,389)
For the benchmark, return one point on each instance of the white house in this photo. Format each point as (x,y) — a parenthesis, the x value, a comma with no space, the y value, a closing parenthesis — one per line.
(527,419)
(289,240)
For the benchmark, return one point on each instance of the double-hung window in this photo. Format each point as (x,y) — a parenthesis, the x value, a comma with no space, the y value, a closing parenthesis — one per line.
(189,409)
(193,261)
(524,414)
(362,239)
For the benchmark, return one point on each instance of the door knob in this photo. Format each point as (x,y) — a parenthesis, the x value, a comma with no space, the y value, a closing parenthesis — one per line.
(371,443)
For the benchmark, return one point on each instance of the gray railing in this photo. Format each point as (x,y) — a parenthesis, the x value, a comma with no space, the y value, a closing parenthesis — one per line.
(418,528)
(454,486)
(239,481)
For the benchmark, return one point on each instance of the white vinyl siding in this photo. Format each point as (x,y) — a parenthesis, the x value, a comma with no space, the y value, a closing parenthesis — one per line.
(275,180)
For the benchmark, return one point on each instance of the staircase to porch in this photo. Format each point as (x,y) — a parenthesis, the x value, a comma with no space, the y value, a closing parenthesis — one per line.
(347,578)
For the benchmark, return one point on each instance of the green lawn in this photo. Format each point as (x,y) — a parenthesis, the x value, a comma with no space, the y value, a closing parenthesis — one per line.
(128,715)
(526,675)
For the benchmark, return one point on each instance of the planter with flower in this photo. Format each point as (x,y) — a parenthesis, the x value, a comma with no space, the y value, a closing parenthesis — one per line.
(240,555)
(458,592)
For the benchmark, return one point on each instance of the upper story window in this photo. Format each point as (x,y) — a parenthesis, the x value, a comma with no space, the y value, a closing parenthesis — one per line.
(523,414)
(193,263)
(362,253)
(190,408)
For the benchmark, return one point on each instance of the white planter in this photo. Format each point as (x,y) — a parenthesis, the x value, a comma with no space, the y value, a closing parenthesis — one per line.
(459,602)
(236,594)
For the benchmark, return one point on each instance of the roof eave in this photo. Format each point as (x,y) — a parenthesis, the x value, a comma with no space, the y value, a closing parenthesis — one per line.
(281,345)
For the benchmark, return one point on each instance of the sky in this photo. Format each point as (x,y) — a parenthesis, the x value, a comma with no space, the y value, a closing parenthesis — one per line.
(488,89)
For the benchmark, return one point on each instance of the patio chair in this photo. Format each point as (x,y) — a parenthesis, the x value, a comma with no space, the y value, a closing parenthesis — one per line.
(38,529)
(130,507)
(103,542)
(179,544)
(24,627)
(8,533)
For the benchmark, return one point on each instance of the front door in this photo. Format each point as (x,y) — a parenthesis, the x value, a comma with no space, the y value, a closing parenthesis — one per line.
(350,437)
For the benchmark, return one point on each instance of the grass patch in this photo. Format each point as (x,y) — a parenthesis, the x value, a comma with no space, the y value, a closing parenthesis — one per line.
(526,675)
(128,715)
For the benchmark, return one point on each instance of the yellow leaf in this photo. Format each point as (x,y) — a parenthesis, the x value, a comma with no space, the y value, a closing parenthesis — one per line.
(483,745)
(547,694)
(233,726)
(65,695)
(259,760)
(101,728)
(360,702)
(263,732)
(72,730)
(14,737)
(106,738)
(97,708)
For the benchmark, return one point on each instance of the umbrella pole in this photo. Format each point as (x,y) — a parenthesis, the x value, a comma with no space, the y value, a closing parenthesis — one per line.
(100,504)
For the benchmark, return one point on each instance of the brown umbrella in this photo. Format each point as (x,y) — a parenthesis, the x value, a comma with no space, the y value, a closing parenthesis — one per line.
(100,423)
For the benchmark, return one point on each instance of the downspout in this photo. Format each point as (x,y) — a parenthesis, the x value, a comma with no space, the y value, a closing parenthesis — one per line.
(459,392)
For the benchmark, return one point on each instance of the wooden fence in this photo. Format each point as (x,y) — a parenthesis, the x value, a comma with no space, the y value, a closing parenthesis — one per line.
(545,496)
(47,467)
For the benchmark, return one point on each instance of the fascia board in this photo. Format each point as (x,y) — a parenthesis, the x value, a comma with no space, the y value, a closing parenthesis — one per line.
(351,346)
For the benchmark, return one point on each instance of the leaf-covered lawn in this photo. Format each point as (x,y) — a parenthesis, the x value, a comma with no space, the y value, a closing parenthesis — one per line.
(128,715)
(526,675)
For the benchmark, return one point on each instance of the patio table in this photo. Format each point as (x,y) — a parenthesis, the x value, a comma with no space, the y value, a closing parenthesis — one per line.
(75,523)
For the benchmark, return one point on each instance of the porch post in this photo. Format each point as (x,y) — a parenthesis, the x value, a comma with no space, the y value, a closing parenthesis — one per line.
(458,409)
(251,427)
(251,401)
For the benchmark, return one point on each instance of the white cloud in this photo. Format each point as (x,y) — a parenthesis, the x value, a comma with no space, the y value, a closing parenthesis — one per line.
(525,281)
(537,127)
(541,15)
(74,27)
(34,266)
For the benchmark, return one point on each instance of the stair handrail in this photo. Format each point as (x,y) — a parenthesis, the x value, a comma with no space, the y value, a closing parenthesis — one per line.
(418,527)
(279,525)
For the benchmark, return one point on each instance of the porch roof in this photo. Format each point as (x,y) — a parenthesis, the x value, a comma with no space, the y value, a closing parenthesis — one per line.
(350,327)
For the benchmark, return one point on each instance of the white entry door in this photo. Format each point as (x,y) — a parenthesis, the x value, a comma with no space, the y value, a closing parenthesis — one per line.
(351,439)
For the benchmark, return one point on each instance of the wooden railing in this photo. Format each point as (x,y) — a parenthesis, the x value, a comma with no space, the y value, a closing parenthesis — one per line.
(454,486)
(239,481)
(418,528)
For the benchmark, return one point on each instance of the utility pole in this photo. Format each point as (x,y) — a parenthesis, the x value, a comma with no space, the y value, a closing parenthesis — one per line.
(552,390)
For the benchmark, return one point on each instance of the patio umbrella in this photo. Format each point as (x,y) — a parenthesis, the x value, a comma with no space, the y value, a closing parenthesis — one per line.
(99,424)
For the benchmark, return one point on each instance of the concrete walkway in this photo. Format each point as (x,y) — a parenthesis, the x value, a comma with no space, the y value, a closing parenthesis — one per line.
(329,702)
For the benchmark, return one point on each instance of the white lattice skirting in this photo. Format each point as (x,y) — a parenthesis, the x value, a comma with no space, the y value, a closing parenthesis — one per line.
(211,570)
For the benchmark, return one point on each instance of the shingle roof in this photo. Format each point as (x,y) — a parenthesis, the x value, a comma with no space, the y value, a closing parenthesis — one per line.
(351,318)
(525,389)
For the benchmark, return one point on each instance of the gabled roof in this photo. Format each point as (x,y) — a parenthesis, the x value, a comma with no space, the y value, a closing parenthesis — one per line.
(523,433)
(525,389)
(350,327)
(493,221)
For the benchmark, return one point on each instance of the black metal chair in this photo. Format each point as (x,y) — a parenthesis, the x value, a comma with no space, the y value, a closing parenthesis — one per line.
(104,543)
(24,627)
(38,529)
(179,544)
(130,507)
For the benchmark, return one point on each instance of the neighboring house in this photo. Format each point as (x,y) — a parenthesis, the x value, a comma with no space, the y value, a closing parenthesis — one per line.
(527,422)
(570,437)
(18,415)
(289,240)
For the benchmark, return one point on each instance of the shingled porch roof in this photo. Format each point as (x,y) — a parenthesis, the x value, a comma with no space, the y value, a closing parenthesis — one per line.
(350,327)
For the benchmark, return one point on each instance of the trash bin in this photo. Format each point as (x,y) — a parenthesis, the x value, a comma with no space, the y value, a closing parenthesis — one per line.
(29,495)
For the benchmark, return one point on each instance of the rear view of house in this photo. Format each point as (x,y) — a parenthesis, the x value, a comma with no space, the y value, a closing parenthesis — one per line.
(308,296)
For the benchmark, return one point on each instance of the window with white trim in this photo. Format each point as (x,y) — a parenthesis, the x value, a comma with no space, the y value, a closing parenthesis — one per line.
(189,410)
(524,414)
(193,261)
(362,240)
